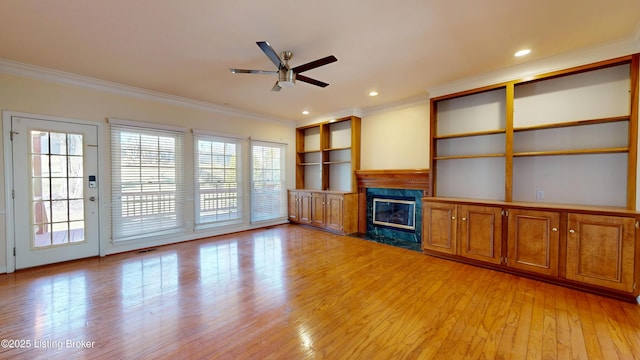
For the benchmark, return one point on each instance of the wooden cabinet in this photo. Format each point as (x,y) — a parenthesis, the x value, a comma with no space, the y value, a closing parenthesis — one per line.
(533,241)
(480,232)
(300,207)
(601,250)
(474,232)
(342,213)
(333,211)
(327,155)
(591,248)
(439,227)
(318,209)
(558,153)
(293,207)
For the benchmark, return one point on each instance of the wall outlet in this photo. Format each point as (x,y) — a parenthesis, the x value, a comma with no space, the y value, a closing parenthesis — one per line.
(539,194)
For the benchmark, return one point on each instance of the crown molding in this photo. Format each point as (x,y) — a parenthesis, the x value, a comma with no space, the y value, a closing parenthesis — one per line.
(368,111)
(398,105)
(627,46)
(56,76)
(331,116)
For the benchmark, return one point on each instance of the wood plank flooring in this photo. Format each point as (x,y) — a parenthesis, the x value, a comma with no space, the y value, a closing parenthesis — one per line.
(289,292)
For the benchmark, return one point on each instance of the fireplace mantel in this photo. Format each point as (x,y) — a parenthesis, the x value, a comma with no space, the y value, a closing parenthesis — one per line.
(415,179)
(399,179)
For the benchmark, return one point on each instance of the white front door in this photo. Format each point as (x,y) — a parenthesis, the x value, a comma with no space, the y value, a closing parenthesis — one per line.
(55,205)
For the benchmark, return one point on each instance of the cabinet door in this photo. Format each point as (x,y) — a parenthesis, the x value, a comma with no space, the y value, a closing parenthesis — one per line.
(480,232)
(304,208)
(600,250)
(335,212)
(293,206)
(533,241)
(317,209)
(439,227)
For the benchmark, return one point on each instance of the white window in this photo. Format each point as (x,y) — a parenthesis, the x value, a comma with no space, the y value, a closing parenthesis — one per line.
(219,193)
(268,185)
(147,184)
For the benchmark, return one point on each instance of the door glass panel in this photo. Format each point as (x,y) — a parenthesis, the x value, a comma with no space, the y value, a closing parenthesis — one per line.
(57,188)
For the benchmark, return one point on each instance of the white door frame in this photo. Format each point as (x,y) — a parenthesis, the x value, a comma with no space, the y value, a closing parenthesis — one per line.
(8,178)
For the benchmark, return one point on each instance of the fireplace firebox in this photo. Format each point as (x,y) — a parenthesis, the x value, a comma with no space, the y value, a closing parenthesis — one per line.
(395,213)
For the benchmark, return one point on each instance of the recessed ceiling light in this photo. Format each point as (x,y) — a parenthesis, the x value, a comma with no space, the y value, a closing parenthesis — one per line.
(522,52)
(305,112)
(373,93)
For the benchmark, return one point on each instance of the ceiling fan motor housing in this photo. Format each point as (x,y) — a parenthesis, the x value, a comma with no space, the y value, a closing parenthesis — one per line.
(286,78)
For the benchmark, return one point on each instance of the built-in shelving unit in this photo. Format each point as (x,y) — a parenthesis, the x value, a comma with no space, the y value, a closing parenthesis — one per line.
(538,177)
(567,137)
(327,155)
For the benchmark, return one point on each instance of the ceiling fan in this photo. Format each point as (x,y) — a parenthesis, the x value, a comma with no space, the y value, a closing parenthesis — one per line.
(287,76)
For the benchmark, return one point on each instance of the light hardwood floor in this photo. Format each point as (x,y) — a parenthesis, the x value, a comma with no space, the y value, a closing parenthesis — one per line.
(289,292)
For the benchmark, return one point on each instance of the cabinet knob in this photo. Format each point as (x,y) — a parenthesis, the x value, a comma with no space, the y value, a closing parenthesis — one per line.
(464,219)
(554,229)
(453,218)
(572,231)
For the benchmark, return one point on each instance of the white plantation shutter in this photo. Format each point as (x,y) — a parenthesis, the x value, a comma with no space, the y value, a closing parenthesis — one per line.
(147,184)
(268,185)
(219,188)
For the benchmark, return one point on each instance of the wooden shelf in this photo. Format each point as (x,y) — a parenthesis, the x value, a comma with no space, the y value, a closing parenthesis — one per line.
(573,123)
(467,156)
(572,152)
(475,133)
(327,143)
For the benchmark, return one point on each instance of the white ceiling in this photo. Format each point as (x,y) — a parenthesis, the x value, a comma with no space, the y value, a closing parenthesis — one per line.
(399,48)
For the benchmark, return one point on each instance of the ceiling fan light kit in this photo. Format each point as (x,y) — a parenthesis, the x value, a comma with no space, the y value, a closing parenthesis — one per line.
(287,76)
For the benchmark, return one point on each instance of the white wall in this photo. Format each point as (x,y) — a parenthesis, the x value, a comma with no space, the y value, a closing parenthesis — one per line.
(53,98)
(397,138)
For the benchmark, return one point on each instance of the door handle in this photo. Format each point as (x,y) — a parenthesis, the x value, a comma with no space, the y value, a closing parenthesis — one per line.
(93,198)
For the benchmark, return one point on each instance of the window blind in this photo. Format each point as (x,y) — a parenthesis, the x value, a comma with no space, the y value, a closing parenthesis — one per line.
(218,175)
(147,184)
(268,185)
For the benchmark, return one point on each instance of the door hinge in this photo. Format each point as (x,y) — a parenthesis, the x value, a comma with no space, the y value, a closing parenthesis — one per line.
(14,251)
(13,194)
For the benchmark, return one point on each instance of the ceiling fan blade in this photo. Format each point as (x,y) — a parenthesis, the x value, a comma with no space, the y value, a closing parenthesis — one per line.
(314,64)
(271,54)
(311,81)
(243,71)
(276,87)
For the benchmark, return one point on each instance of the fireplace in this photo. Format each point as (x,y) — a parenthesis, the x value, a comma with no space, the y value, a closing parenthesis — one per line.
(395,213)
(396,196)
